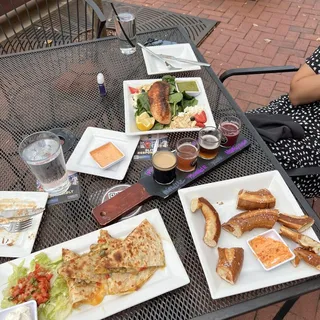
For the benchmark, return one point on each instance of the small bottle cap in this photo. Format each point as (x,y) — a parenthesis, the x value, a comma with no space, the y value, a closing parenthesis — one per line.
(100,78)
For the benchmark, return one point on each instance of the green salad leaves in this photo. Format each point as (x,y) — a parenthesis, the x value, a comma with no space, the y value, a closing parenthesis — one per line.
(58,306)
(178,101)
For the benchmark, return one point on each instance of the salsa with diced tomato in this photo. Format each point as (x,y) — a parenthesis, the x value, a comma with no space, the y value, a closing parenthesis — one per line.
(34,286)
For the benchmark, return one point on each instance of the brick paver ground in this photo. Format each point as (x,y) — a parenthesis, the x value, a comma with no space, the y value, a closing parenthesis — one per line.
(257,33)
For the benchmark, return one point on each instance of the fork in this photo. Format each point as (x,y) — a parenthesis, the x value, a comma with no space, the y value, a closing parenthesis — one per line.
(168,65)
(17,226)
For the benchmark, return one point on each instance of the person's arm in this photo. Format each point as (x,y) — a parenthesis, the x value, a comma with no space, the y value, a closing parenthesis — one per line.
(305,85)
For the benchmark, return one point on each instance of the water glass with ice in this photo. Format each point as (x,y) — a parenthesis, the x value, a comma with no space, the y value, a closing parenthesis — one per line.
(43,154)
(125,24)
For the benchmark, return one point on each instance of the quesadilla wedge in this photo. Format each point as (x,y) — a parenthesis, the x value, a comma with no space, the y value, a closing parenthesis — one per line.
(88,287)
(80,291)
(122,283)
(83,266)
(141,249)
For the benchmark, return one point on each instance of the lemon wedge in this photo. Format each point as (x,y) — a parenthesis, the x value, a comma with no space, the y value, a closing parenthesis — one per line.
(144,122)
(143,115)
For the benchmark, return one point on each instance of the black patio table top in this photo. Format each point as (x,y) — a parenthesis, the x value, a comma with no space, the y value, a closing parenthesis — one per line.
(56,87)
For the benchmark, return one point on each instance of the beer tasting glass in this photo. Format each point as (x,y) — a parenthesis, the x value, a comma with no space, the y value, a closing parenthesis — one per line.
(187,153)
(42,152)
(209,141)
(164,167)
(127,29)
(230,128)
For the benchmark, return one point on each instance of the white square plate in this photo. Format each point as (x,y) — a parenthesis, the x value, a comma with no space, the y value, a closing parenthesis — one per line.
(181,50)
(81,160)
(131,127)
(164,280)
(223,196)
(20,244)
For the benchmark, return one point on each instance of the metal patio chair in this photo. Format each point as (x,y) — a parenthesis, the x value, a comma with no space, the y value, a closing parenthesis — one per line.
(43,23)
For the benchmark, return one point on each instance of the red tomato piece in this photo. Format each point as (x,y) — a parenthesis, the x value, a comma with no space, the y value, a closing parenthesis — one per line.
(134,90)
(201,117)
(200,124)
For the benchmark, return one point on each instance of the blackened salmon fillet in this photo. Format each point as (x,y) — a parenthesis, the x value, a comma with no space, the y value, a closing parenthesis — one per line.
(158,95)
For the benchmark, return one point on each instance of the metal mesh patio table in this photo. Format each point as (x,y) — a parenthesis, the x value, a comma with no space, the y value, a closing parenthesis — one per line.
(56,87)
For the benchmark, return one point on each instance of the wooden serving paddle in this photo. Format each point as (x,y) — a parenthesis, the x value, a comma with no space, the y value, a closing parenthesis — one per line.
(146,187)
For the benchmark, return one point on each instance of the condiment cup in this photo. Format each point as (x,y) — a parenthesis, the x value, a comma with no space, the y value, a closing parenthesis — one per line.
(111,163)
(273,234)
(190,93)
(32,305)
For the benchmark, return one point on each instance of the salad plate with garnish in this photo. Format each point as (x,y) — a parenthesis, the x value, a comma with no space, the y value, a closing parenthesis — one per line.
(165,105)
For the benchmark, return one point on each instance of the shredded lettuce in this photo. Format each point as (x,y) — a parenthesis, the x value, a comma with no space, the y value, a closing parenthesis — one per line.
(19,271)
(58,306)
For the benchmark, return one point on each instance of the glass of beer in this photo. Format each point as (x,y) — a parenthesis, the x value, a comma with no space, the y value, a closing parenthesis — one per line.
(187,153)
(230,128)
(209,141)
(164,167)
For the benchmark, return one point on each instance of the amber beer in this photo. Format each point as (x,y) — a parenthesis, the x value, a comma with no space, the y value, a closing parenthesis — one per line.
(209,141)
(187,154)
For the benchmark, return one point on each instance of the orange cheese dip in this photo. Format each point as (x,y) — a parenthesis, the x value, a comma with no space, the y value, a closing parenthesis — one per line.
(270,252)
(106,154)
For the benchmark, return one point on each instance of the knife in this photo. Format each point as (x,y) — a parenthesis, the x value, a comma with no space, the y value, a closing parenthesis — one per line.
(22,213)
(197,63)
(151,52)
(146,187)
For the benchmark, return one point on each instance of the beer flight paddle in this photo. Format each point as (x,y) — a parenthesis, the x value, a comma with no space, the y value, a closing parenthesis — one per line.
(147,187)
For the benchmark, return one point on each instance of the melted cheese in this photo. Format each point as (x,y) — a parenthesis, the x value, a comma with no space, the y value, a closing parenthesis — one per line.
(97,297)
(270,252)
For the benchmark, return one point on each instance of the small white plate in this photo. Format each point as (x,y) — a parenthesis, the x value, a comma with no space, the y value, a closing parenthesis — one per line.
(273,234)
(20,244)
(32,305)
(223,196)
(166,279)
(81,160)
(182,51)
(131,127)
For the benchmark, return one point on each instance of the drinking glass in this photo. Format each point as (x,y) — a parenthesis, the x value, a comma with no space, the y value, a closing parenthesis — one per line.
(209,141)
(230,128)
(43,154)
(125,23)
(187,153)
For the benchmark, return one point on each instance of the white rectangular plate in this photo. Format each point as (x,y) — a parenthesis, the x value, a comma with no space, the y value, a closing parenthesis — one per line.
(181,50)
(223,196)
(131,128)
(20,244)
(164,280)
(81,160)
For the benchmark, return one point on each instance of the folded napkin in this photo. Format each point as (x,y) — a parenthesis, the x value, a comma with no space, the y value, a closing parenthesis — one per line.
(274,127)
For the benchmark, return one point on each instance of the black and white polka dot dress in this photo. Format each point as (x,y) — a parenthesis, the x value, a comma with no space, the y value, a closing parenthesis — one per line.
(293,153)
